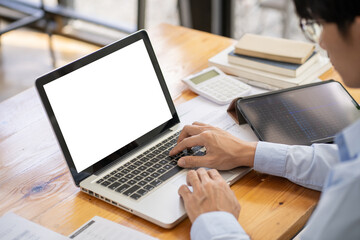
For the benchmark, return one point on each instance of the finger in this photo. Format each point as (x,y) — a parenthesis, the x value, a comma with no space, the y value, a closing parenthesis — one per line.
(215,175)
(189,130)
(194,161)
(192,179)
(203,175)
(200,124)
(187,143)
(184,192)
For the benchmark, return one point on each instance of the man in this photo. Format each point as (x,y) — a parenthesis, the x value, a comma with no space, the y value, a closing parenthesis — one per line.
(332,168)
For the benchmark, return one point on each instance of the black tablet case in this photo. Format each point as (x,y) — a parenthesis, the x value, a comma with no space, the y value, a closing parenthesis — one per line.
(237,114)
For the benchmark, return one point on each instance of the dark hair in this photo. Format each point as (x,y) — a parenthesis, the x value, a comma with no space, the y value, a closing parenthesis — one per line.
(340,12)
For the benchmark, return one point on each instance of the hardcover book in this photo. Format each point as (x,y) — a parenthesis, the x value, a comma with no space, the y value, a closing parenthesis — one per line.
(277,49)
(282,68)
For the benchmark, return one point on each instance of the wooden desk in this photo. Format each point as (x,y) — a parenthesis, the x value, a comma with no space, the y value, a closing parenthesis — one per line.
(35,182)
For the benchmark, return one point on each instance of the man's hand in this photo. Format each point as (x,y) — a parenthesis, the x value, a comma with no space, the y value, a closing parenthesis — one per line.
(223,150)
(210,193)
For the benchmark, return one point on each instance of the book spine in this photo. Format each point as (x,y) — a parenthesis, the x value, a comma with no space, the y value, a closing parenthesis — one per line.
(269,56)
(271,81)
(262,66)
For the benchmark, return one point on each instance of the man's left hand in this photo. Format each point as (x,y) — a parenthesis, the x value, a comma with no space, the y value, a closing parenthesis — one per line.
(210,193)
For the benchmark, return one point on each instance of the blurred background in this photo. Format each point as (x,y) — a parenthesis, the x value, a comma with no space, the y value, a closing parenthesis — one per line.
(38,35)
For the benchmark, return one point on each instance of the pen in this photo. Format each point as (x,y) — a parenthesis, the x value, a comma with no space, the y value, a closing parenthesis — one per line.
(257,84)
(324,140)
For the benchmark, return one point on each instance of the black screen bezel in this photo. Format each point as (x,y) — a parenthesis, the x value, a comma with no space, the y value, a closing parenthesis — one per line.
(250,121)
(54,75)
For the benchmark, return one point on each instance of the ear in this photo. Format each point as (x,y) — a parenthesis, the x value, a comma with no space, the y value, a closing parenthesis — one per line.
(357,27)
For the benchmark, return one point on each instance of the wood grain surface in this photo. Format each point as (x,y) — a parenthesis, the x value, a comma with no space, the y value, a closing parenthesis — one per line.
(35,182)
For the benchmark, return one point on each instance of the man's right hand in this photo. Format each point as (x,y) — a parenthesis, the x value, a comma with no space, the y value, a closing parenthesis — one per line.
(223,150)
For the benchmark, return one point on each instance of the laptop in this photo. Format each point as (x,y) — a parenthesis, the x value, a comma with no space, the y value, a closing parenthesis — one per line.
(115,122)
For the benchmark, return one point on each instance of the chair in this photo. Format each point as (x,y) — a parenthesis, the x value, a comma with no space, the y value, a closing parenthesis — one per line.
(32,16)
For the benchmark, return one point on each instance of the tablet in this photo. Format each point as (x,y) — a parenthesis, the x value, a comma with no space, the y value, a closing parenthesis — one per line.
(307,114)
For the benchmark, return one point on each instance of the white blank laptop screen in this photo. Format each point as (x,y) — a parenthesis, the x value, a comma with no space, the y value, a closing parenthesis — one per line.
(107,104)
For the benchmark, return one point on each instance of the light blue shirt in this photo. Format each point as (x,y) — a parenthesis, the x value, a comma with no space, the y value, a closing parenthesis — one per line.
(334,169)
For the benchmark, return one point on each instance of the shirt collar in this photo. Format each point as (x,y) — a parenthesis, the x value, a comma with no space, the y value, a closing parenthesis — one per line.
(349,142)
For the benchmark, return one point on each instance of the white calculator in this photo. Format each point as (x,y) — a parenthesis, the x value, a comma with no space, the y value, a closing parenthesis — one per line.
(216,86)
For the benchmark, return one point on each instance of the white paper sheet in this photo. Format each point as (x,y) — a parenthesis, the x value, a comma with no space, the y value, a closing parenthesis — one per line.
(14,227)
(202,110)
(99,228)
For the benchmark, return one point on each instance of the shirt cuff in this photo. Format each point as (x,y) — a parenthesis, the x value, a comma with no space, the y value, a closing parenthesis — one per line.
(217,225)
(270,158)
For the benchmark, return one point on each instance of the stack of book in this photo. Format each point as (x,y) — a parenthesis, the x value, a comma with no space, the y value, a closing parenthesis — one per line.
(275,62)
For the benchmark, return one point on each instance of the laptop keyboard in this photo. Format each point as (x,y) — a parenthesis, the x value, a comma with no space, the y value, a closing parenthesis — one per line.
(148,170)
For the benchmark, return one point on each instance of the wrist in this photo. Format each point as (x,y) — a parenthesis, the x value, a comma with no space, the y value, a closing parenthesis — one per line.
(247,154)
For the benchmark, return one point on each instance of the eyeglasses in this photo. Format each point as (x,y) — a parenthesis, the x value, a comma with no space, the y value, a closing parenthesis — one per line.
(311,29)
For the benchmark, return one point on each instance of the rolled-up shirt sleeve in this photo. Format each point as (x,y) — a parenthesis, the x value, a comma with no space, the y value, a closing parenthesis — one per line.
(305,165)
(216,226)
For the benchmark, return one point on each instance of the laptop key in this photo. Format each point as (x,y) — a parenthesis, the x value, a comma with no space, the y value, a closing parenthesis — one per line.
(142,183)
(149,164)
(100,181)
(150,170)
(122,188)
(138,178)
(167,166)
(142,192)
(112,179)
(114,172)
(163,155)
(142,168)
(148,179)
(107,176)
(131,182)
(157,165)
(119,175)
(163,162)
(144,174)
(131,167)
(114,185)
(135,172)
(125,171)
(135,196)
(161,170)
(131,190)
(155,159)
(170,173)
(144,159)
(155,174)
(129,176)
(156,182)
(169,144)
(148,187)
(137,163)
(173,162)
(156,151)
(122,180)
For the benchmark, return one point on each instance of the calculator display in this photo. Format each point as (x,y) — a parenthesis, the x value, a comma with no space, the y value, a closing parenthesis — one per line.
(205,76)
